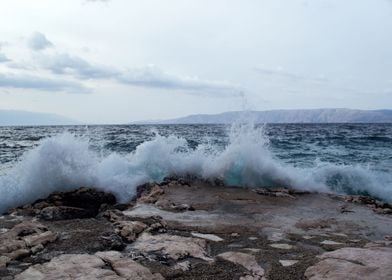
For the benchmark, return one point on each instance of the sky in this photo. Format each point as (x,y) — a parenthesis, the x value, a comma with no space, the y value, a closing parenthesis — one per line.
(119,61)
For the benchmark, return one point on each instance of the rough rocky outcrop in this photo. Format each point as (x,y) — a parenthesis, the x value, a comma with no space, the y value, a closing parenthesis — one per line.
(82,203)
(377,206)
(184,229)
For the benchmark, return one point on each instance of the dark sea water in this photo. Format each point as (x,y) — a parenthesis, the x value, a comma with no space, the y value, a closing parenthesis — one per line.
(342,158)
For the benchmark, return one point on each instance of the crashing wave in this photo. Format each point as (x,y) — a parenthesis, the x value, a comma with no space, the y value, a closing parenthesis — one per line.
(66,162)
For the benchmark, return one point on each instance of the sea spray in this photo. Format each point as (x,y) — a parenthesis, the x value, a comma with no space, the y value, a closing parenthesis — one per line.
(66,162)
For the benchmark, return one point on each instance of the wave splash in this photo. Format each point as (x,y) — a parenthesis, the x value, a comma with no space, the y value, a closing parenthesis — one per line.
(66,162)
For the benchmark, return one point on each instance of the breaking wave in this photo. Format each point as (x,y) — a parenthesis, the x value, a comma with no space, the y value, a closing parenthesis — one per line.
(66,162)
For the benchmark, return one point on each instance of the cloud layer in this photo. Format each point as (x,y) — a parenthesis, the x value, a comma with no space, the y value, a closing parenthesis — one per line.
(77,68)
(39,83)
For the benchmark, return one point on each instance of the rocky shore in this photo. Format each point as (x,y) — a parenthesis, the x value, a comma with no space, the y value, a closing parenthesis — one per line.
(190,229)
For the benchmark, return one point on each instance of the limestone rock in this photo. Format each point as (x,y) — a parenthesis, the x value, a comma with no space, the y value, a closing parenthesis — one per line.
(84,266)
(69,266)
(379,243)
(246,260)
(129,230)
(81,203)
(3,261)
(283,246)
(353,263)
(173,246)
(330,242)
(151,194)
(24,239)
(112,241)
(287,262)
(276,236)
(184,266)
(18,254)
(55,213)
(127,268)
(252,277)
(40,239)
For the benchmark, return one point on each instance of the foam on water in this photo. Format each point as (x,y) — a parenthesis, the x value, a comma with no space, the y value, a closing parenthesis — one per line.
(66,162)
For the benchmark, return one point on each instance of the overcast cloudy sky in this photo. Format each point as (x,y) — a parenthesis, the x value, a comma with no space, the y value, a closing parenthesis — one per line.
(117,61)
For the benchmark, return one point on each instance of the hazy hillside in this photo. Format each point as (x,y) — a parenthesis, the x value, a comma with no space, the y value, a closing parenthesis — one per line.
(12,117)
(289,116)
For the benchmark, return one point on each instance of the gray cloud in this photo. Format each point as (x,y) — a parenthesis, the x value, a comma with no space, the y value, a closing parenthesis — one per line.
(4,58)
(39,83)
(149,77)
(38,41)
(154,77)
(74,65)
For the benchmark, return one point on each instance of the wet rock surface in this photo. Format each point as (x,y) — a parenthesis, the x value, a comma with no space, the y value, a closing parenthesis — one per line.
(184,229)
(82,203)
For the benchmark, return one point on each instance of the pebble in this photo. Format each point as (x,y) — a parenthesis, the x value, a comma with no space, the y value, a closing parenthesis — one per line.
(211,237)
(281,246)
(287,262)
(330,242)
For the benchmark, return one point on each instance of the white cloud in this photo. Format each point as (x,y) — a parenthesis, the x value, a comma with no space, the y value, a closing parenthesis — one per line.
(38,41)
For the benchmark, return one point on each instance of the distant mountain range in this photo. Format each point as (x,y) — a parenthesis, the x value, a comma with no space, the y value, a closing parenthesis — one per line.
(13,117)
(287,116)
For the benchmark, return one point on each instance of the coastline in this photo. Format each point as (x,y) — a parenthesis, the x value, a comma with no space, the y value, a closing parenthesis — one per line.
(182,229)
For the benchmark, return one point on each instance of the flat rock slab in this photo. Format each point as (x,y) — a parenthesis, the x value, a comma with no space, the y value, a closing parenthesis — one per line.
(173,246)
(195,231)
(84,266)
(353,264)
(246,260)
(228,209)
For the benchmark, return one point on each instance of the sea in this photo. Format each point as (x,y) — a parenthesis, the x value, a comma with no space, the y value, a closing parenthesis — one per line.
(333,158)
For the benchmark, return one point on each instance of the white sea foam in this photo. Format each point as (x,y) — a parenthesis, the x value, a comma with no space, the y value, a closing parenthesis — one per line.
(66,162)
